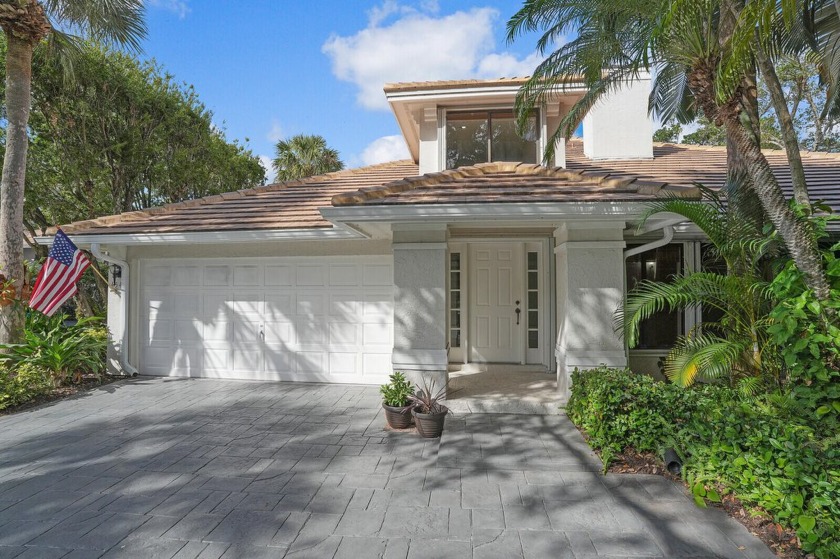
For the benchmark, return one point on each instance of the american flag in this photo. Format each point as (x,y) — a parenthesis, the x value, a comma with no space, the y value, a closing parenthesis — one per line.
(58,276)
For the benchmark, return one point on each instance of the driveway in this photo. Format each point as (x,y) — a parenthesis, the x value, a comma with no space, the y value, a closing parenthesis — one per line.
(203,468)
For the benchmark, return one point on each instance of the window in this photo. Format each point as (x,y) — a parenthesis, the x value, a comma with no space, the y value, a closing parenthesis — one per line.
(661,330)
(484,136)
(533,274)
(455,299)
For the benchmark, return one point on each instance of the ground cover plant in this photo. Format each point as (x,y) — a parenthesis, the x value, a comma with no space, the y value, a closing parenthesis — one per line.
(54,352)
(769,452)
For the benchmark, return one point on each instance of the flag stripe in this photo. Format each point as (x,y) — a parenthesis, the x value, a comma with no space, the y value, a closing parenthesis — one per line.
(57,279)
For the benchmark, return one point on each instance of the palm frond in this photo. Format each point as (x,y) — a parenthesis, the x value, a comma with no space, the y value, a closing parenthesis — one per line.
(706,356)
(111,22)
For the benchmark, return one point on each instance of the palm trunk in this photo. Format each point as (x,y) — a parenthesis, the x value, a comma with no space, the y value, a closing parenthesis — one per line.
(797,235)
(18,98)
(789,137)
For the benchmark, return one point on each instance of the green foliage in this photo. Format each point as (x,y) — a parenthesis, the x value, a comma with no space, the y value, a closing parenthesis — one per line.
(707,134)
(669,134)
(122,135)
(735,346)
(304,156)
(396,392)
(767,451)
(23,384)
(63,351)
(807,333)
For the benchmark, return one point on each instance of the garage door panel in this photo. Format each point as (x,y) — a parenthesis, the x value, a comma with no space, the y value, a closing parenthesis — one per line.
(278,307)
(310,305)
(186,276)
(344,334)
(344,274)
(326,320)
(217,276)
(279,275)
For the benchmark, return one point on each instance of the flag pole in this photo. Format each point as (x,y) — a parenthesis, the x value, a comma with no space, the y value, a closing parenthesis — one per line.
(98,273)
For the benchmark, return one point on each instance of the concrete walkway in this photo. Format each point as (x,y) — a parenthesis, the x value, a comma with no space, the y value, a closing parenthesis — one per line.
(202,468)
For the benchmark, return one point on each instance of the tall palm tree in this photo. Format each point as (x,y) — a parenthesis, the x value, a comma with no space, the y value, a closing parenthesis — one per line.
(703,51)
(28,24)
(303,156)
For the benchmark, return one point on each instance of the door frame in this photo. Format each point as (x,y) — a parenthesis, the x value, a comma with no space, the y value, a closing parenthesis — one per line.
(546,299)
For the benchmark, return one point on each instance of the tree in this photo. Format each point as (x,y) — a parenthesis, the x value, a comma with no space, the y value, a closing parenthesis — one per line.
(26,23)
(122,135)
(669,133)
(704,51)
(303,156)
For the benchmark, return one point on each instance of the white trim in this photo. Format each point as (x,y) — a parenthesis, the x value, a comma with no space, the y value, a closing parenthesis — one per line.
(418,246)
(518,211)
(589,245)
(209,237)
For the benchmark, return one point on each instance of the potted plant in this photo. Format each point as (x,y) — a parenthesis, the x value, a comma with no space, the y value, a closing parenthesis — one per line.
(429,414)
(396,401)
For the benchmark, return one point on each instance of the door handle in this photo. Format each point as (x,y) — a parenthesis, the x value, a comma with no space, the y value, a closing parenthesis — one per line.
(518,312)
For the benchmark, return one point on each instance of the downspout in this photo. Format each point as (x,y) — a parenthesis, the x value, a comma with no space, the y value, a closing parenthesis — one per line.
(124,276)
(667,229)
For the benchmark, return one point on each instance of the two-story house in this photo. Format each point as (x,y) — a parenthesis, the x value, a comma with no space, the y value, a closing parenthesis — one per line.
(469,253)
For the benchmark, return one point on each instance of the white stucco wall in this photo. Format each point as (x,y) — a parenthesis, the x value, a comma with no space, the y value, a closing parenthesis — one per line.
(420,303)
(590,287)
(619,127)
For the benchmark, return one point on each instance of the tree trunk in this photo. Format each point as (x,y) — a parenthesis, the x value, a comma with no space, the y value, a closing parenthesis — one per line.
(777,96)
(18,99)
(797,235)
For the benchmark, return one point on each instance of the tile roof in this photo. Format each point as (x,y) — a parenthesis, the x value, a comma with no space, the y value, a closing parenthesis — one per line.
(296,204)
(512,182)
(452,84)
(687,164)
(289,205)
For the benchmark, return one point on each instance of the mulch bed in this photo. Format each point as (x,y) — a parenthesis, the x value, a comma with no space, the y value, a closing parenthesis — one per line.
(783,542)
(88,382)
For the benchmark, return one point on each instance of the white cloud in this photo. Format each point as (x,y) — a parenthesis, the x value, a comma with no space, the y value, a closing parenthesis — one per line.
(276,132)
(414,44)
(265,161)
(179,7)
(384,149)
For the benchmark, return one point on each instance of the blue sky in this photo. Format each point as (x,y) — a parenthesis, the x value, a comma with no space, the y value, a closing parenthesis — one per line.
(269,69)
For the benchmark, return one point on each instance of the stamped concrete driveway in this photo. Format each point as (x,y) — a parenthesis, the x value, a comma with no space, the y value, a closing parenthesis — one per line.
(203,468)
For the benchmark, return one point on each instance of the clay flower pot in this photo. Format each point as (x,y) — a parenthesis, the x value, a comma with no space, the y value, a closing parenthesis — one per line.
(397,417)
(430,425)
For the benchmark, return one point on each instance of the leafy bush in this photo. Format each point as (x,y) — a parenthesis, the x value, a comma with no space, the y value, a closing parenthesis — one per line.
(24,384)
(397,392)
(764,450)
(62,349)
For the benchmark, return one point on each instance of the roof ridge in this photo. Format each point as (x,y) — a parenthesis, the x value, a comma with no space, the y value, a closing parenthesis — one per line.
(135,215)
(602,179)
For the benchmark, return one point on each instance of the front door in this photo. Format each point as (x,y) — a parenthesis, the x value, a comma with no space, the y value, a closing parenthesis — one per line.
(496,297)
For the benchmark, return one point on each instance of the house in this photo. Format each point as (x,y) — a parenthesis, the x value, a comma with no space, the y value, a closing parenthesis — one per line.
(470,252)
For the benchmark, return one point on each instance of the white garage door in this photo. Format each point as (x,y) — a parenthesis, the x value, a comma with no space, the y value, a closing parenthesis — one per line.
(308,319)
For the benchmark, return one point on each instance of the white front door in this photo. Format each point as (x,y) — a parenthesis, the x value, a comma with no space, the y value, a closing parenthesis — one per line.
(496,303)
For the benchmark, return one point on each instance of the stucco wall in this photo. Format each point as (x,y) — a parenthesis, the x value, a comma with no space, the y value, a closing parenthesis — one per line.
(619,126)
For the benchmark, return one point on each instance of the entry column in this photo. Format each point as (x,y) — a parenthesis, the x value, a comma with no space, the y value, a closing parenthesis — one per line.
(420,253)
(590,287)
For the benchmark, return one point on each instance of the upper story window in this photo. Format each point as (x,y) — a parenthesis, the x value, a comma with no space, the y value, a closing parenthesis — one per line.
(482,136)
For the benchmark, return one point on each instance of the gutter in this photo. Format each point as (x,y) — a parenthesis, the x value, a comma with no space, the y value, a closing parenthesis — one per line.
(667,228)
(124,276)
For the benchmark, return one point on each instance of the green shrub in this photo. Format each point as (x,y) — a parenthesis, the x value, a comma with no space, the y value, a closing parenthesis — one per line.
(61,350)
(396,392)
(764,450)
(22,385)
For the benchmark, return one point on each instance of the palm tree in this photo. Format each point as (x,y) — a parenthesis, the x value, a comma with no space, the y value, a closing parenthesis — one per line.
(28,24)
(703,51)
(303,156)
(734,344)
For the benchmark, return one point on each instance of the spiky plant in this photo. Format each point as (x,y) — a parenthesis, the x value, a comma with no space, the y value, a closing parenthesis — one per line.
(735,346)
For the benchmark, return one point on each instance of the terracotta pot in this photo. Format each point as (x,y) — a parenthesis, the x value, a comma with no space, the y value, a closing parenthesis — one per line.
(397,417)
(430,425)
